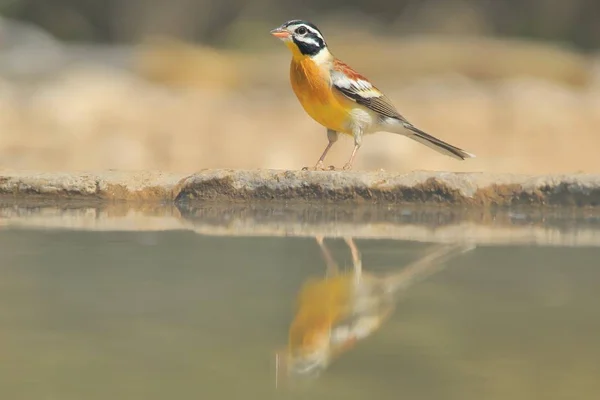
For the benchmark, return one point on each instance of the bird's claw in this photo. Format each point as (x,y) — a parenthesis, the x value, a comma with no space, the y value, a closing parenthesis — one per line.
(321,167)
(318,167)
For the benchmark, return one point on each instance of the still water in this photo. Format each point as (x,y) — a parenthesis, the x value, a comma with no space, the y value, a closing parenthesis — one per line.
(172,313)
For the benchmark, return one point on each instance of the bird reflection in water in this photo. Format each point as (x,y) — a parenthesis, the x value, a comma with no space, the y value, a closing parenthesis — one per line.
(337,311)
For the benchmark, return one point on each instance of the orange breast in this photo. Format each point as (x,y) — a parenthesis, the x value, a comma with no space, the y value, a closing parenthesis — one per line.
(321,304)
(315,95)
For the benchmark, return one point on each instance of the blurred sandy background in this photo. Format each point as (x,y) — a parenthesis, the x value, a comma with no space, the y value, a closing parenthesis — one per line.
(192,84)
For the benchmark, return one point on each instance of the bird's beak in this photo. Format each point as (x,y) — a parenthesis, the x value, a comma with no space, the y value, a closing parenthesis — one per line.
(280,33)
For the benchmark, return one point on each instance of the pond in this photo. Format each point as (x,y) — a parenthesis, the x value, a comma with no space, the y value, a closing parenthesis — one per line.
(117,302)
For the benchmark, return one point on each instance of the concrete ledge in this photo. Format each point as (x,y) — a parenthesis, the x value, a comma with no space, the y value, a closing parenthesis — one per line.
(419,187)
(145,186)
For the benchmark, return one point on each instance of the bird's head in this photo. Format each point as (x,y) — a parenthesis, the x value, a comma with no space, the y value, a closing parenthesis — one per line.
(301,37)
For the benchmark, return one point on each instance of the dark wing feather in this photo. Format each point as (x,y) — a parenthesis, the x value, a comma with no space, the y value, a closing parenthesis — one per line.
(357,88)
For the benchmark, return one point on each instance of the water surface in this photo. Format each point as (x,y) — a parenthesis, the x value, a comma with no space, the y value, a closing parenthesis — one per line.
(171,313)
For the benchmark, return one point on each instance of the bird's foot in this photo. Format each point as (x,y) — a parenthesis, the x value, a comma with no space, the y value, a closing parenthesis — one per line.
(347,167)
(321,167)
(318,167)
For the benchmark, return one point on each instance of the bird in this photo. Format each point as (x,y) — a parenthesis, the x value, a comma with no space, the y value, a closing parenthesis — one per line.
(336,312)
(341,99)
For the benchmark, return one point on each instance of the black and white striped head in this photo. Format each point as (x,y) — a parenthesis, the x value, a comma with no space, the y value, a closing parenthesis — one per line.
(302,37)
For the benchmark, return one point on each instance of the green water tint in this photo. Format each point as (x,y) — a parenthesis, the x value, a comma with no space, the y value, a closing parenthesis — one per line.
(174,313)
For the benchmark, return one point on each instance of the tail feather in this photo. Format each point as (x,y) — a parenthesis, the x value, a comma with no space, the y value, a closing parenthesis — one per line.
(437,144)
(427,265)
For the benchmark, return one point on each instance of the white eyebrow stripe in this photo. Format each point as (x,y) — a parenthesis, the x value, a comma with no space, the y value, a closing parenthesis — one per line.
(312,30)
(317,33)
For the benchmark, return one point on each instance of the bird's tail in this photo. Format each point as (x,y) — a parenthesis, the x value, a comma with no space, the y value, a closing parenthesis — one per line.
(430,263)
(435,143)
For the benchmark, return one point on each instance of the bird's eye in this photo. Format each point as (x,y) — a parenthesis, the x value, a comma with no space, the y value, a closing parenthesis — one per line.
(301,31)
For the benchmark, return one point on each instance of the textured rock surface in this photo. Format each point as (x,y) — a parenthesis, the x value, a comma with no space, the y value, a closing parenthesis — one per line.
(109,185)
(419,187)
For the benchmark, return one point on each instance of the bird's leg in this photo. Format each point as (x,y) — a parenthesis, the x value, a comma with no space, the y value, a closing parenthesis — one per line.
(332,136)
(319,165)
(356,258)
(357,142)
(332,267)
(348,165)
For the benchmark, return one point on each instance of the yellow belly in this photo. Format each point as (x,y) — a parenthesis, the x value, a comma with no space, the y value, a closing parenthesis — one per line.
(321,304)
(316,97)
